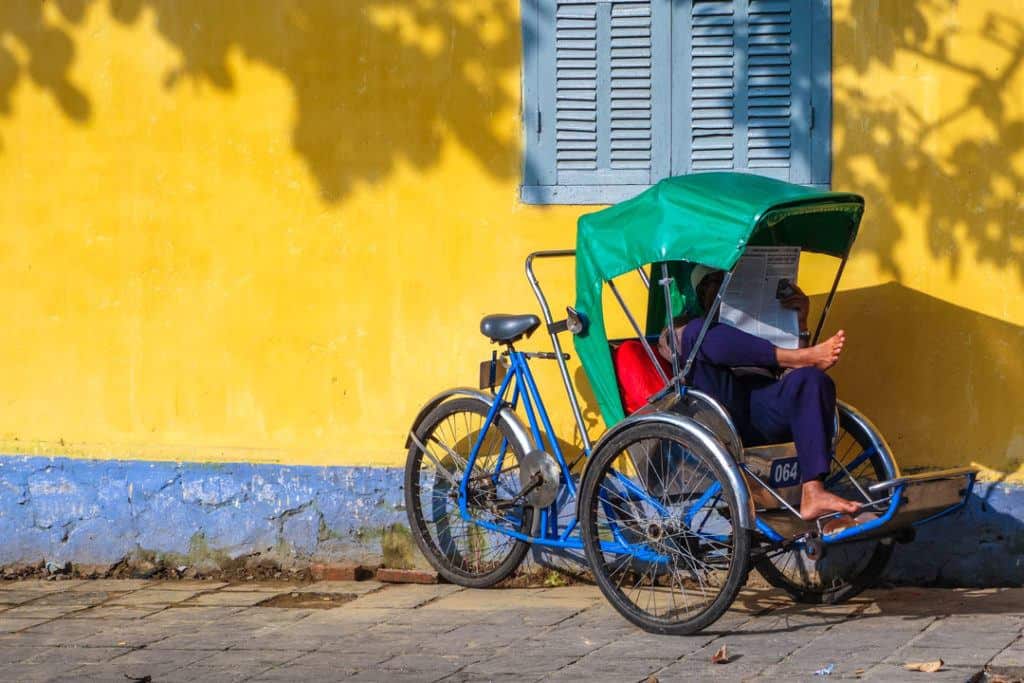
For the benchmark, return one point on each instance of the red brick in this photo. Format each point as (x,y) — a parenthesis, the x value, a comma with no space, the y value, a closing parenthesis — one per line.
(406,575)
(336,571)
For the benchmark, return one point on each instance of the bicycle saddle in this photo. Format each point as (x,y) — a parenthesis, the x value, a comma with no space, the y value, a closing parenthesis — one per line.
(508,328)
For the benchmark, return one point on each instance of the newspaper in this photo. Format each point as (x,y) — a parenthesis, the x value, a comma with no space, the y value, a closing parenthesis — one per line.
(750,303)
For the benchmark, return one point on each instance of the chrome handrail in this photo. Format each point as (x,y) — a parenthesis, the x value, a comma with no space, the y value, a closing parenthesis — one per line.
(549,321)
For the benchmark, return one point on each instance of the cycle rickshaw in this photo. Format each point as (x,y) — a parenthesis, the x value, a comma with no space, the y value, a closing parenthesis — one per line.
(671,510)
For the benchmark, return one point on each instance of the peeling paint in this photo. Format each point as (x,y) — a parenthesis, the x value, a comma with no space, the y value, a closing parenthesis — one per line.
(102,511)
(95,512)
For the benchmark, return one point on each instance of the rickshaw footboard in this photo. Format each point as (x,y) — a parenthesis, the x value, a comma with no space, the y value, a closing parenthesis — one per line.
(911,501)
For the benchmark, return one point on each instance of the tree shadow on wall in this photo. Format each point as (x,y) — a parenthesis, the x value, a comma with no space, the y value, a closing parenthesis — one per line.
(894,151)
(377,83)
(943,383)
(46,55)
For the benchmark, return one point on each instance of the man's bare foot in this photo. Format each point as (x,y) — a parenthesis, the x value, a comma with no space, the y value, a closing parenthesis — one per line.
(815,501)
(826,354)
(822,356)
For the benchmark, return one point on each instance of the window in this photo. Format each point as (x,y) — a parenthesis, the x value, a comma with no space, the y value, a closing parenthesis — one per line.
(621,93)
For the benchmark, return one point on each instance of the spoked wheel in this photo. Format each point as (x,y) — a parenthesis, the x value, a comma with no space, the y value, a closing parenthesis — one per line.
(843,570)
(462,551)
(656,515)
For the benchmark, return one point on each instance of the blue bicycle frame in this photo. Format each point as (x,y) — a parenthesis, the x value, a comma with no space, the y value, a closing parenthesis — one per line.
(519,382)
(518,386)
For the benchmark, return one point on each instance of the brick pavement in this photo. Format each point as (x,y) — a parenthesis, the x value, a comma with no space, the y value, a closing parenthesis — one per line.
(205,631)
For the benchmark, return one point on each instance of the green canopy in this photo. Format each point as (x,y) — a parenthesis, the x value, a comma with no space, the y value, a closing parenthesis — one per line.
(705,218)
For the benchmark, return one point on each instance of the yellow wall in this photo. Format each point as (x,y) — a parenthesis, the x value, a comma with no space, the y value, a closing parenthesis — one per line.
(266,231)
(929,126)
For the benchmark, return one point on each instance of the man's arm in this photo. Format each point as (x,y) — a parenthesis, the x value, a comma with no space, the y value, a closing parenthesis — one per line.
(726,345)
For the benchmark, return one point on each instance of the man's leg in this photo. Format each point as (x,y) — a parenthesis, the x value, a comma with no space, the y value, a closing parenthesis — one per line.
(726,346)
(803,404)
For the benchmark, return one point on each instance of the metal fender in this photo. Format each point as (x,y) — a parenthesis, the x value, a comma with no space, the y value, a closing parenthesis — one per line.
(521,435)
(875,436)
(702,435)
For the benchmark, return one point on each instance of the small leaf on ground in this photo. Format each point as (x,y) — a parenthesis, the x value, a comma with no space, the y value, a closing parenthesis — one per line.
(721,657)
(927,667)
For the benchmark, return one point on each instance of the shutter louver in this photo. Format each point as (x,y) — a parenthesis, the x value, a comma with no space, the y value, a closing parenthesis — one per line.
(749,91)
(769,85)
(712,85)
(576,86)
(630,61)
(603,108)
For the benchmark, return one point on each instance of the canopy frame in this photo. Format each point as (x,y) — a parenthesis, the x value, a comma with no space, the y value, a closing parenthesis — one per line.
(707,219)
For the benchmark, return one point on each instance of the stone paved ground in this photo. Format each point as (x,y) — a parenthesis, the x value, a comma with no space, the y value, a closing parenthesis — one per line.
(205,631)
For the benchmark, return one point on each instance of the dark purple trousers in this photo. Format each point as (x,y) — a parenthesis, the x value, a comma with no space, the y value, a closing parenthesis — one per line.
(800,407)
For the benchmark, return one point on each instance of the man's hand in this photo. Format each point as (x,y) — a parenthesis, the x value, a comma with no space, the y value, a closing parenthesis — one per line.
(663,345)
(798,302)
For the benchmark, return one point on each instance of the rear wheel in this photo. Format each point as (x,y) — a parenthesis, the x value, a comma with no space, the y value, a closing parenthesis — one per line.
(843,570)
(657,520)
(462,551)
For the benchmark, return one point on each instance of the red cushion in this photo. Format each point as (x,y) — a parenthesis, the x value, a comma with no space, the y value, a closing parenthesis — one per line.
(637,376)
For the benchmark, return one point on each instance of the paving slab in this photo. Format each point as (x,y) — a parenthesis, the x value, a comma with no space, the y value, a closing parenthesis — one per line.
(16,653)
(199,631)
(1011,656)
(404,596)
(139,664)
(13,596)
(36,611)
(178,614)
(80,597)
(268,586)
(152,596)
(54,632)
(898,674)
(112,612)
(354,587)
(118,585)
(193,585)
(45,585)
(42,671)
(223,598)
(338,661)
(77,655)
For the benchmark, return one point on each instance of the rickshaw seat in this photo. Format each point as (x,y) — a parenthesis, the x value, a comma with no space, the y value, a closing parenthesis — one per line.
(637,377)
(508,328)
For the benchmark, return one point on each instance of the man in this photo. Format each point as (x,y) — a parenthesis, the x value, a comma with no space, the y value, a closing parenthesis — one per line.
(799,406)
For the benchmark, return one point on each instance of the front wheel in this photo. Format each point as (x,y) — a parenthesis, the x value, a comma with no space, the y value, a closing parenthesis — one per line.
(658,521)
(477,552)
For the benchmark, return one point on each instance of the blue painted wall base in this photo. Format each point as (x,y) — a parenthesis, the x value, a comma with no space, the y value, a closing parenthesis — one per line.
(96,512)
(99,511)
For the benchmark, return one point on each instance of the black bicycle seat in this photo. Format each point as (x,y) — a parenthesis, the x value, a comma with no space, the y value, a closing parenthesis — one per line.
(508,328)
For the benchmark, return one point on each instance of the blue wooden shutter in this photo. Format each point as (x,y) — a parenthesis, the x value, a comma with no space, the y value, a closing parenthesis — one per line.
(596,116)
(752,88)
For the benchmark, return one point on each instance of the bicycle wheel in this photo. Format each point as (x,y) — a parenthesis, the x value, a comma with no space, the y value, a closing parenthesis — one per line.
(656,516)
(461,551)
(847,569)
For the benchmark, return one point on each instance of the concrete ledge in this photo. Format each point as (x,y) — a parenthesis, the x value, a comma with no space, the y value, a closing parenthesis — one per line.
(95,512)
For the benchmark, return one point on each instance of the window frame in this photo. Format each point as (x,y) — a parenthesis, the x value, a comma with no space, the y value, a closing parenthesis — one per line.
(538,186)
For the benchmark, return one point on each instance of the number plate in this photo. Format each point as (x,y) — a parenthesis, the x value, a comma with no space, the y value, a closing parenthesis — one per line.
(784,472)
(492,372)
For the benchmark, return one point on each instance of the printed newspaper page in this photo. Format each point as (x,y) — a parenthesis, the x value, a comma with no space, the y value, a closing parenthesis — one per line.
(750,303)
